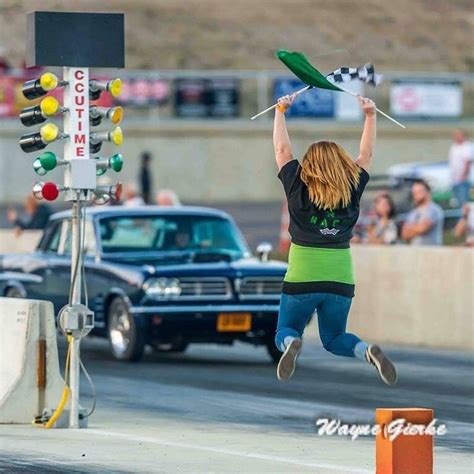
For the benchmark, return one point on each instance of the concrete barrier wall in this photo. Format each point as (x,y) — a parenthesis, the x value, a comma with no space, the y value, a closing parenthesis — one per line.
(416,296)
(26,242)
(208,161)
(23,323)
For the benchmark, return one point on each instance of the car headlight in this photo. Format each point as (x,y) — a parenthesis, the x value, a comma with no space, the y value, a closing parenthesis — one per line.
(162,287)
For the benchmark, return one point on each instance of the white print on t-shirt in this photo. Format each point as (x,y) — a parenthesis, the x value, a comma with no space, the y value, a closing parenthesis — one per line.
(329,231)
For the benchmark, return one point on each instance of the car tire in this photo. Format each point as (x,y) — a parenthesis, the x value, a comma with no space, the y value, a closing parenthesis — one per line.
(127,340)
(273,351)
(13,292)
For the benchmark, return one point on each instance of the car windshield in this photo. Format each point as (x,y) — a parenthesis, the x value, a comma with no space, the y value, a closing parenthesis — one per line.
(171,233)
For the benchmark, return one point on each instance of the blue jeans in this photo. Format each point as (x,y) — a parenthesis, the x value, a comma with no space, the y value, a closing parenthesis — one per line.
(461,192)
(296,311)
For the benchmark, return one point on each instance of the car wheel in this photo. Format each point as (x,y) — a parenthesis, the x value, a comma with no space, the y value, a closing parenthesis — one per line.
(273,351)
(127,341)
(13,292)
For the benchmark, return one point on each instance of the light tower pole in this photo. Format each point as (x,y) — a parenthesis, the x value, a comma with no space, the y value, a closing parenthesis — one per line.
(76,126)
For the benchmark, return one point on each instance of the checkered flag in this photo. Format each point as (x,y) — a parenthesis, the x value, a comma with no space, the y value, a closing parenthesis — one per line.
(365,73)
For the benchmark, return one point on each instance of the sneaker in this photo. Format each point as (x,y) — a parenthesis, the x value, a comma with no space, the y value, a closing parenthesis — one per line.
(382,363)
(287,364)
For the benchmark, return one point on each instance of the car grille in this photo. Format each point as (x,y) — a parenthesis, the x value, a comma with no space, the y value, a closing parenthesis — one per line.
(254,288)
(205,287)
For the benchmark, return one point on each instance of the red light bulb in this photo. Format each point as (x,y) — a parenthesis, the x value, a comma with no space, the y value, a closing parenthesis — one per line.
(118,191)
(50,191)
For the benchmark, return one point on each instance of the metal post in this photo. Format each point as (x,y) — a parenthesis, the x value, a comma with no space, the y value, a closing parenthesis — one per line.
(76,275)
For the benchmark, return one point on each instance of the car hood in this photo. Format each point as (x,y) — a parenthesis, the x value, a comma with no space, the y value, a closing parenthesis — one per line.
(174,267)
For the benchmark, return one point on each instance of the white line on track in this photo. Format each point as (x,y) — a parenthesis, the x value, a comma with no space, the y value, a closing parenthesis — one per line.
(230,452)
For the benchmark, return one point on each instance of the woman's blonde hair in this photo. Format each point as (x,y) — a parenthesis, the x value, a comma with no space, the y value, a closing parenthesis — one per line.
(329,174)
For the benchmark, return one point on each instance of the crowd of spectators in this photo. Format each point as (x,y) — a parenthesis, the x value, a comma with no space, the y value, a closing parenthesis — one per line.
(424,223)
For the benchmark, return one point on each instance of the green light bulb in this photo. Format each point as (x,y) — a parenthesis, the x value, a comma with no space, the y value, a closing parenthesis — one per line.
(48,160)
(116,162)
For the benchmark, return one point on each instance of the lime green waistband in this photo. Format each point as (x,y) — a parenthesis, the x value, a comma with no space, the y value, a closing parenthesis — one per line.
(319,264)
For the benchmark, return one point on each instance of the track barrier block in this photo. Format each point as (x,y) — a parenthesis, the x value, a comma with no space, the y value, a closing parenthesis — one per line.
(406,453)
(29,367)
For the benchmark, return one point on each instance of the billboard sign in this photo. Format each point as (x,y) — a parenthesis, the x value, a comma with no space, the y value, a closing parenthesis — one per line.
(426,99)
(202,97)
(313,103)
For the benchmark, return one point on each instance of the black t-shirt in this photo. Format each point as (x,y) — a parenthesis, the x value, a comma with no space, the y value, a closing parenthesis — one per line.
(314,227)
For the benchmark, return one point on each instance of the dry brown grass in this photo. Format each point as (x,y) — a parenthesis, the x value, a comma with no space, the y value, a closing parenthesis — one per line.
(406,35)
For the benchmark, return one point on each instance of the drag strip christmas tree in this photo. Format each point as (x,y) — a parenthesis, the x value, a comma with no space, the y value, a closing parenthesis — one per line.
(75,42)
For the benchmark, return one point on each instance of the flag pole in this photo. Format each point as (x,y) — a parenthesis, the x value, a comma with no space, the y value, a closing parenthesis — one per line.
(298,92)
(376,108)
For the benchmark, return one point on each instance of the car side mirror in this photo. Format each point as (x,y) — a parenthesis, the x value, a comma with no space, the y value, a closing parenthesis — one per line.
(263,250)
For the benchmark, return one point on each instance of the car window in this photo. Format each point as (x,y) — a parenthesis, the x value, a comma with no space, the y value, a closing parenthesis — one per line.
(90,245)
(170,233)
(52,238)
(89,239)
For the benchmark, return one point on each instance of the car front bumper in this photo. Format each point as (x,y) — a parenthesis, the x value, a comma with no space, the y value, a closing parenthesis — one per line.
(210,308)
(199,323)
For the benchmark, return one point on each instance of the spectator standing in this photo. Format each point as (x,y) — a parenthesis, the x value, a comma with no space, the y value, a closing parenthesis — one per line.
(424,224)
(131,197)
(145,177)
(167,197)
(461,155)
(37,215)
(465,226)
(383,229)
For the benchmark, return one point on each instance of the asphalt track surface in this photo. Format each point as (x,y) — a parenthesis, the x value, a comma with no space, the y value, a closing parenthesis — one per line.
(230,391)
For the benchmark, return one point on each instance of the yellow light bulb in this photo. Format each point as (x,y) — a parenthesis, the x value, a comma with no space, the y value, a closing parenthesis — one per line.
(49,132)
(115,87)
(49,106)
(116,115)
(48,81)
(117,136)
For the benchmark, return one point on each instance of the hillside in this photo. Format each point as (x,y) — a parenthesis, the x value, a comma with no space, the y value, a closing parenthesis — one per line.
(405,35)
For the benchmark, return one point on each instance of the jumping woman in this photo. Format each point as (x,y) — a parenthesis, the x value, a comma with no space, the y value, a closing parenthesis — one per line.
(323,194)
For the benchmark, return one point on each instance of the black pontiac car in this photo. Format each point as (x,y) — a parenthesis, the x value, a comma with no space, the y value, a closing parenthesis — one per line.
(157,276)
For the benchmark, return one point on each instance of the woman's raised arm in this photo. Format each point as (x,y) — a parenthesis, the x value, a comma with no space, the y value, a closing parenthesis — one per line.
(281,140)
(367,142)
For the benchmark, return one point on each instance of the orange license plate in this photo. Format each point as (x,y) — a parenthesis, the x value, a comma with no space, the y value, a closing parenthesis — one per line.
(234,322)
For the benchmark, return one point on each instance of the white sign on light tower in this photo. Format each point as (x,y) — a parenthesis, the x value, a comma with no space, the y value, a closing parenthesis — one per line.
(81,174)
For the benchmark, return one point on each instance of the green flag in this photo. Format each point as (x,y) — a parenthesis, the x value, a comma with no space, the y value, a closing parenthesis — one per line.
(302,68)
